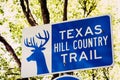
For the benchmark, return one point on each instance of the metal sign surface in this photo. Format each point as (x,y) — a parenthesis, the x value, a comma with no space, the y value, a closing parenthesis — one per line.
(67,46)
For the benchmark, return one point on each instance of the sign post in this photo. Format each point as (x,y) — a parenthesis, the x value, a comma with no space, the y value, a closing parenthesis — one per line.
(67,46)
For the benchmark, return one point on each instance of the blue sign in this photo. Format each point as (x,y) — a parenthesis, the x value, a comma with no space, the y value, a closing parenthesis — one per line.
(82,44)
(67,46)
(67,77)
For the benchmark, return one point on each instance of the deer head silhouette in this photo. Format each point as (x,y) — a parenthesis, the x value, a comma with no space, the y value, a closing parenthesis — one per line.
(37,54)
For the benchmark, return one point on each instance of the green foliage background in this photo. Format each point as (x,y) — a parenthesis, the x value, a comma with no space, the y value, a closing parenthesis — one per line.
(12,21)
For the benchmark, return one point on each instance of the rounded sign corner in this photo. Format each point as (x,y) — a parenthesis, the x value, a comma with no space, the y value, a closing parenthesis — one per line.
(67,77)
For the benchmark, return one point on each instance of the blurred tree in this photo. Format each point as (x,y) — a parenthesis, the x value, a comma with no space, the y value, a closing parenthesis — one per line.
(88,6)
(29,16)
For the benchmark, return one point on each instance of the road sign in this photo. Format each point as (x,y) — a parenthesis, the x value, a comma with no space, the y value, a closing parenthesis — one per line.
(67,46)
(81,44)
(67,77)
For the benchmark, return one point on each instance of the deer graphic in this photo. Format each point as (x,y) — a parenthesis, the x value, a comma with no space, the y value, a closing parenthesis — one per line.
(37,54)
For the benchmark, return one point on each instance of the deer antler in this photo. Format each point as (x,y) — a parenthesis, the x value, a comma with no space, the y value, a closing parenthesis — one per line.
(46,38)
(31,43)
